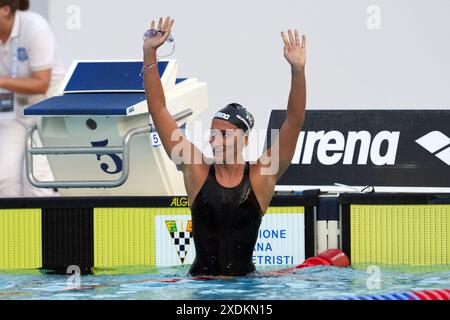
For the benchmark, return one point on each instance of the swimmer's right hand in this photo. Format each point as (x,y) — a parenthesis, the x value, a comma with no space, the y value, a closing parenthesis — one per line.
(164,30)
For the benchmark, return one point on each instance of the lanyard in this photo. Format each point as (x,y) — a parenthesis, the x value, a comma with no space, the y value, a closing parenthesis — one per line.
(15,57)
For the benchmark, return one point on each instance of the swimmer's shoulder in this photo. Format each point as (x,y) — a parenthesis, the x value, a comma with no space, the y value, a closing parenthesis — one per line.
(195,176)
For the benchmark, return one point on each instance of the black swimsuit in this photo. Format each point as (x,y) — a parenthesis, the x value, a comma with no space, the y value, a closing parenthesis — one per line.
(225,225)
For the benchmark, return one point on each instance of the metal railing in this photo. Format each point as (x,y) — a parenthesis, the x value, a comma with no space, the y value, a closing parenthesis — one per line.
(124,150)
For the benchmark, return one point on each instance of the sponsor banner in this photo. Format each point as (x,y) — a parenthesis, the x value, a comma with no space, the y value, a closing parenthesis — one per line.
(281,240)
(389,148)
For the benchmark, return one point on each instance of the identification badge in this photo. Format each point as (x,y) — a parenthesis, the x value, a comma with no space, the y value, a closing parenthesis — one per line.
(156,141)
(6,104)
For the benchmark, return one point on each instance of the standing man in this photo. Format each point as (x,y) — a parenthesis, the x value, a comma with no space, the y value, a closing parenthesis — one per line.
(30,69)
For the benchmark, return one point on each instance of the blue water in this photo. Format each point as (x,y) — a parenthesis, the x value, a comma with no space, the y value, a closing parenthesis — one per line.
(307,284)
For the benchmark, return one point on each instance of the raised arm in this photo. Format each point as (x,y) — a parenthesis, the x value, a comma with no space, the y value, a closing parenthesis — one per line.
(172,138)
(279,156)
(179,149)
(156,100)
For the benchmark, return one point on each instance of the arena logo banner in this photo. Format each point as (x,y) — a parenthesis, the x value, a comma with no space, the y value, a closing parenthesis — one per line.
(388,148)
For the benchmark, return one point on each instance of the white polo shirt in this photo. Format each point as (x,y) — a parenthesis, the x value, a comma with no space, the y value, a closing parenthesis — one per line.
(36,51)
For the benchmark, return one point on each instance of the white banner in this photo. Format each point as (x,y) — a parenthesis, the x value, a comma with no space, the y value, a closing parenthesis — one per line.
(281,240)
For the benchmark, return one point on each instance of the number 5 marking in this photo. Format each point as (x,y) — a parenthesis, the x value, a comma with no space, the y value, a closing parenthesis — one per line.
(104,166)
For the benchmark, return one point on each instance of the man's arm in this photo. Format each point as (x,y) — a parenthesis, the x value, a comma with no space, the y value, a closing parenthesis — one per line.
(38,83)
(279,156)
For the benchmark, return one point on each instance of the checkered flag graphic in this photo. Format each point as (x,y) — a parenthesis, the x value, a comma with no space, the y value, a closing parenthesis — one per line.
(182,242)
(181,234)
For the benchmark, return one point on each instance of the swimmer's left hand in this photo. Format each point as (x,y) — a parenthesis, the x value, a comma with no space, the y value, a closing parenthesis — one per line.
(295,50)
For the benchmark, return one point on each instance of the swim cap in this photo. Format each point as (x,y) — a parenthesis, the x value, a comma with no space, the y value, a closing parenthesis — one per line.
(236,114)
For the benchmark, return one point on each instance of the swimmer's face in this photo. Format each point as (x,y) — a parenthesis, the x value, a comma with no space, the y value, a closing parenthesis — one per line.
(227,141)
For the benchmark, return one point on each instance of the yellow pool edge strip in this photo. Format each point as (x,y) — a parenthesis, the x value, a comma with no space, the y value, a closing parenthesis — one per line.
(286,210)
(415,235)
(20,239)
(126,236)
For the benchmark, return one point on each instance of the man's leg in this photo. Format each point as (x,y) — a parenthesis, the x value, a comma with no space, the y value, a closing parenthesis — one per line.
(12,145)
(42,172)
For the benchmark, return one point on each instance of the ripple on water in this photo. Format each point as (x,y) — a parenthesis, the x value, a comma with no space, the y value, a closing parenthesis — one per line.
(312,283)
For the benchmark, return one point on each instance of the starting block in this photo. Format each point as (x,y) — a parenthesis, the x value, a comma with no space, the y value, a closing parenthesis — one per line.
(97,133)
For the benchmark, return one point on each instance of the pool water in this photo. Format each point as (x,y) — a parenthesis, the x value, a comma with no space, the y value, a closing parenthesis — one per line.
(316,283)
